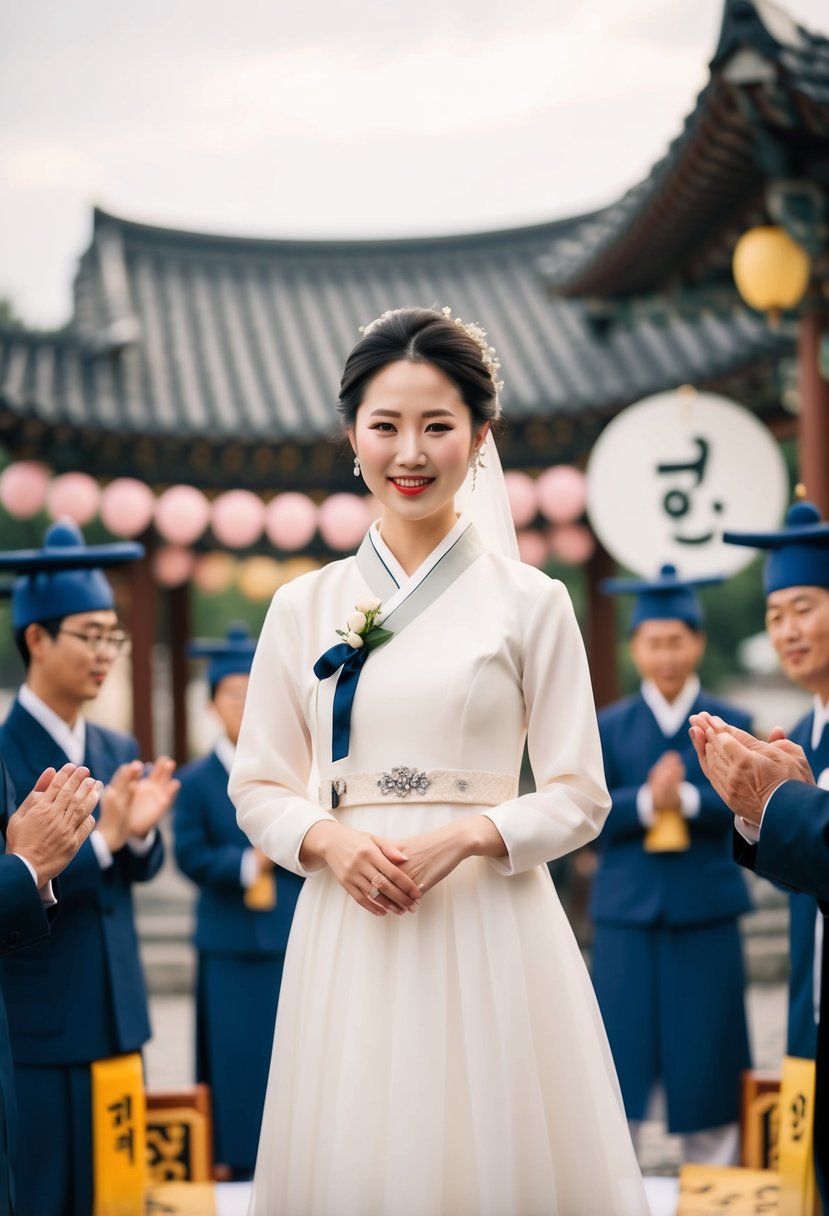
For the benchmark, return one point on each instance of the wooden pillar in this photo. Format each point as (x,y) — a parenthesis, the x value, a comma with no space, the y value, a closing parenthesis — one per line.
(814,412)
(142,623)
(601,629)
(180,631)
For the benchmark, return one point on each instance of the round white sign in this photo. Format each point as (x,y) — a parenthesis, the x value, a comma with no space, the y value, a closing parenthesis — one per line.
(670,473)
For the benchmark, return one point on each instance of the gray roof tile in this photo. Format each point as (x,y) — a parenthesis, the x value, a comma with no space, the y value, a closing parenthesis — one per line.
(193,338)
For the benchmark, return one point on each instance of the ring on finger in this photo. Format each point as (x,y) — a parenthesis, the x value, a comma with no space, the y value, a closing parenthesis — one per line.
(376,885)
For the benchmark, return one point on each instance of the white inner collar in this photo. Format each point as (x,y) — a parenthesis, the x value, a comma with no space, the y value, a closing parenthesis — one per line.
(225,751)
(819,721)
(70,739)
(670,715)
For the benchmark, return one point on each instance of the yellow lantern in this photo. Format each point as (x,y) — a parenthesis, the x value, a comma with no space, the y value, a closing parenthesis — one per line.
(293,567)
(259,577)
(214,572)
(770,269)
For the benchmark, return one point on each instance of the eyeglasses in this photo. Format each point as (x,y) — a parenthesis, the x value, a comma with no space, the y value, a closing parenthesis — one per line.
(97,643)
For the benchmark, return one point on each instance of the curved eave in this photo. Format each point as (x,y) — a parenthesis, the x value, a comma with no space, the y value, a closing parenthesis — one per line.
(76,409)
(769,91)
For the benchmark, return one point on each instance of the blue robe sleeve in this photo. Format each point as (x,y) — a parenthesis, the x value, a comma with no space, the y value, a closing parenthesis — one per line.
(794,841)
(141,867)
(204,861)
(623,822)
(23,918)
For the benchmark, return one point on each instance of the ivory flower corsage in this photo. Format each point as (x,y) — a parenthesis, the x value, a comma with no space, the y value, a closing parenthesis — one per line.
(361,629)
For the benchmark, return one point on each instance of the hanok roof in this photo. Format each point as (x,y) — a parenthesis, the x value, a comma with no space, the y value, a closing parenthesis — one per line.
(217,359)
(763,115)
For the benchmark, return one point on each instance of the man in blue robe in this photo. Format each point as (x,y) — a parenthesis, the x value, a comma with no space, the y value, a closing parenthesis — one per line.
(40,838)
(80,996)
(796,580)
(667,958)
(781,832)
(244,915)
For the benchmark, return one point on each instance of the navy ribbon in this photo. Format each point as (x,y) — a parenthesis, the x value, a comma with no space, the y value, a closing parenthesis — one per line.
(351,660)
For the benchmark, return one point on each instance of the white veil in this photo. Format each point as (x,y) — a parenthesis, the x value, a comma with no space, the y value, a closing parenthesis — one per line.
(488,506)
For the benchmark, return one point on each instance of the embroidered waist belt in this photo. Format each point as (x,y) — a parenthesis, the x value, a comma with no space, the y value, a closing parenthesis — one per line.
(411,785)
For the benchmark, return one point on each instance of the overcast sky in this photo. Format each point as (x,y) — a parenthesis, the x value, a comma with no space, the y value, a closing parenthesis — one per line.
(322,118)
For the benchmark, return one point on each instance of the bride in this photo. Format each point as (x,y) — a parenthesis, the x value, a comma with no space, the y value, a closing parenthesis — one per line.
(453,1062)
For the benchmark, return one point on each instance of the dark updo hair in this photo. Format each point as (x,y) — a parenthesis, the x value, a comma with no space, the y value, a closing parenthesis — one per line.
(420,335)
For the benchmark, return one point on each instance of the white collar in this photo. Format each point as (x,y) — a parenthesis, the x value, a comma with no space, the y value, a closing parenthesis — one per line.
(406,583)
(821,717)
(670,715)
(225,751)
(70,739)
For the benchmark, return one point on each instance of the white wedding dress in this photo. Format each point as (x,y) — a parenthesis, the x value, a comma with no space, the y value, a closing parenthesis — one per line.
(452,1062)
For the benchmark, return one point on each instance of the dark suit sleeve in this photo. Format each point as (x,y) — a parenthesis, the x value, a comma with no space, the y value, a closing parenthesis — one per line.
(23,918)
(623,822)
(206,862)
(141,867)
(794,840)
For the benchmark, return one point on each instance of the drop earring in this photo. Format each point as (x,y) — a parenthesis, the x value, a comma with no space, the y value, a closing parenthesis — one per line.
(356,466)
(477,463)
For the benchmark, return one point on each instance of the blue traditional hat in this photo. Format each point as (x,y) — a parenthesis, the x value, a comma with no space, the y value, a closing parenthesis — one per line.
(229,656)
(65,576)
(798,552)
(664,598)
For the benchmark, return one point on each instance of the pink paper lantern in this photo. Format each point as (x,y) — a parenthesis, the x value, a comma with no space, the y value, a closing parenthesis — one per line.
(173,565)
(573,544)
(127,507)
(532,548)
(237,518)
(213,572)
(23,488)
(182,514)
(290,520)
(562,493)
(74,496)
(523,498)
(343,520)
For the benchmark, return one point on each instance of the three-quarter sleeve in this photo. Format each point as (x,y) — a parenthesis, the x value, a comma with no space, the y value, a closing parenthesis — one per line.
(269,779)
(571,802)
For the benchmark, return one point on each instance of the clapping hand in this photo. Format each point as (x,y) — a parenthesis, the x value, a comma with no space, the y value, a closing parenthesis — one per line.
(132,804)
(743,770)
(152,797)
(54,821)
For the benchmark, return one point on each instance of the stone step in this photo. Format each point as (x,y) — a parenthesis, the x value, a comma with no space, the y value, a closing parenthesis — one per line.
(767,958)
(170,967)
(766,922)
(172,925)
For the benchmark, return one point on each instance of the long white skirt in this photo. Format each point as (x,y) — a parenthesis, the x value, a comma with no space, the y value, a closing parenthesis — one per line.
(452,1062)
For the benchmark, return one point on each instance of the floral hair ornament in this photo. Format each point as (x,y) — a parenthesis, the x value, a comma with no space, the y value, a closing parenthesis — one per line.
(361,635)
(489,356)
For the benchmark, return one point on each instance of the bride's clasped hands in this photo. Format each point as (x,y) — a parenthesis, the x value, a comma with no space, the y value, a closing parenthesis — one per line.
(368,867)
(385,876)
